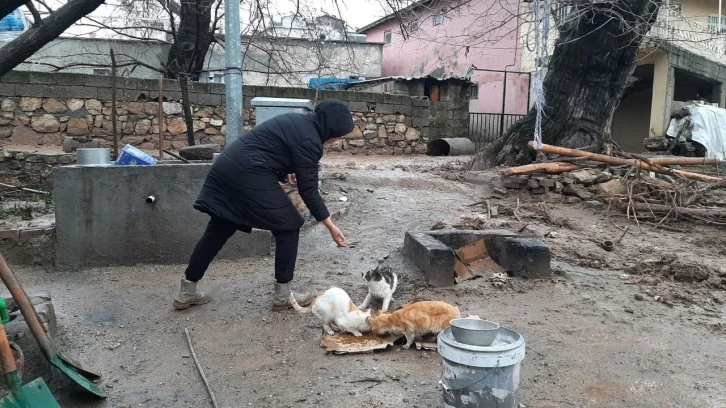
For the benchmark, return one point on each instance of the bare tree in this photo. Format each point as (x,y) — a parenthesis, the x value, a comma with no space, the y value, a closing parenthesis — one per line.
(42,31)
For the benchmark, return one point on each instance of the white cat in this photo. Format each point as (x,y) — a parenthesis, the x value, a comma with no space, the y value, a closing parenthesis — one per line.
(335,309)
(382,282)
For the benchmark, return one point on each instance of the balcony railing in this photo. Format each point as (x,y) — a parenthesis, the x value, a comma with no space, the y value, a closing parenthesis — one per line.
(674,28)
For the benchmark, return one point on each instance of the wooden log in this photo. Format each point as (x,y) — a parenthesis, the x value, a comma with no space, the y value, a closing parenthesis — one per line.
(683,161)
(550,168)
(563,151)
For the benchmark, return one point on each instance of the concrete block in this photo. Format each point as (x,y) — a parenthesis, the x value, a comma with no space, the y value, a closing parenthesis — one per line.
(403,109)
(30,90)
(521,257)
(384,108)
(7,89)
(99,81)
(106,94)
(102,218)
(361,107)
(200,152)
(210,99)
(70,79)
(83,92)
(57,91)
(527,258)
(432,257)
(16,77)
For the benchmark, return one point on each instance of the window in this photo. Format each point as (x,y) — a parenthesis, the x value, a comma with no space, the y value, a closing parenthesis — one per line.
(414,25)
(474,92)
(438,19)
(713,23)
(99,71)
(387,38)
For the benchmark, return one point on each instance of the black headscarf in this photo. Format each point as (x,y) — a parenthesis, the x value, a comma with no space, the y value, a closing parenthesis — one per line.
(333,119)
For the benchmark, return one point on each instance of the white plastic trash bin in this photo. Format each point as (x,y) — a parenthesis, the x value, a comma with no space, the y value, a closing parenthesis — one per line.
(267,108)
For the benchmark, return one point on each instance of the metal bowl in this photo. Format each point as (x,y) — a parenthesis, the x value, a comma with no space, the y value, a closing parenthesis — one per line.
(475,332)
(93,157)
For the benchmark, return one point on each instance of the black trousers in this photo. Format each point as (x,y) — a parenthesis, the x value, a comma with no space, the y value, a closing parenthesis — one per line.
(219,231)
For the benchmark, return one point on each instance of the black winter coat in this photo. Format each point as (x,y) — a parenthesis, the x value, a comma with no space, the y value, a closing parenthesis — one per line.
(242,186)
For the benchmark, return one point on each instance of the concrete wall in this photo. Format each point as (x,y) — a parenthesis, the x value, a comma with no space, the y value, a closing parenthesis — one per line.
(480,33)
(102,218)
(273,62)
(43,108)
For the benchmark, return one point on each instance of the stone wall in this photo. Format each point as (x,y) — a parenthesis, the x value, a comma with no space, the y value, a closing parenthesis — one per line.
(31,169)
(42,109)
(448,113)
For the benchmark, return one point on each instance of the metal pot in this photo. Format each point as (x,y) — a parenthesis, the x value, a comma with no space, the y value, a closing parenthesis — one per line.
(93,157)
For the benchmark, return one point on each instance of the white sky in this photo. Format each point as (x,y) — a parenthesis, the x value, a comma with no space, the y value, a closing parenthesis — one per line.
(357,13)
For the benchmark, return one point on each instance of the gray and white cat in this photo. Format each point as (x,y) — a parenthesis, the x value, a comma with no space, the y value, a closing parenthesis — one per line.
(382,282)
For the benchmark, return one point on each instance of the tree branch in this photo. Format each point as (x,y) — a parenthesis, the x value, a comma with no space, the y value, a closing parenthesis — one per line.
(28,43)
(36,16)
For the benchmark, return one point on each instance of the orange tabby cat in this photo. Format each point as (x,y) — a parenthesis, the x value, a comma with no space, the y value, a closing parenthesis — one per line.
(415,319)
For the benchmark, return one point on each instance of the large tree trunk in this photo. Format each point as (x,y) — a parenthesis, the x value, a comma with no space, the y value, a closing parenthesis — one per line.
(28,43)
(192,40)
(593,57)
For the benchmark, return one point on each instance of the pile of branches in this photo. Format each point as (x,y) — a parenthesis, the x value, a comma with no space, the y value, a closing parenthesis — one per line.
(660,201)
(676,195)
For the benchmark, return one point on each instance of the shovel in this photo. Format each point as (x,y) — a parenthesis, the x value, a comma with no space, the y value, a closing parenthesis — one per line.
(35,394)
(68,366)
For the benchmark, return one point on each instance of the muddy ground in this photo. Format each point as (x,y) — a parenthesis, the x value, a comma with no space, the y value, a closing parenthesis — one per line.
(590,342)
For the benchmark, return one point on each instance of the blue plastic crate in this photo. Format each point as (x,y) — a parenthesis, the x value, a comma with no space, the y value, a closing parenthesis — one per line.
(131,156)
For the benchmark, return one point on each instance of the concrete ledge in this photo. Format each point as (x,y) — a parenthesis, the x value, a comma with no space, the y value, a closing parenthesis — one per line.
(433,253)
(103,219)
(432,257)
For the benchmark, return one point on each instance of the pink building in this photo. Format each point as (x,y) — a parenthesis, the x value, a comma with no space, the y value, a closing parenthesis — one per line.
(448,38)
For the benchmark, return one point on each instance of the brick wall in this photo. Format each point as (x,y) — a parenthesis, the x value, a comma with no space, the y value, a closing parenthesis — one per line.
(44,108)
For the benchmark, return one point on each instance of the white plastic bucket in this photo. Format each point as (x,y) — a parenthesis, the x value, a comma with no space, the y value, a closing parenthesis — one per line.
(482,377)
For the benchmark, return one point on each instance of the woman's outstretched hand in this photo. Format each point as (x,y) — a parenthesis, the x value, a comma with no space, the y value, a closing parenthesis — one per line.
(335,233)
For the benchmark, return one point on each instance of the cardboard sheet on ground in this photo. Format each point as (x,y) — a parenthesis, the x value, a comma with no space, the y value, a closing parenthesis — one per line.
(344,343)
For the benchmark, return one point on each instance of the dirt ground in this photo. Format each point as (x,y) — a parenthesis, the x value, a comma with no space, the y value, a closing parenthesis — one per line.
(589,341)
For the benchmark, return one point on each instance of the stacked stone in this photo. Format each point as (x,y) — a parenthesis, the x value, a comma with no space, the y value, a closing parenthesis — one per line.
(382,133)
(49,121)
(584,184)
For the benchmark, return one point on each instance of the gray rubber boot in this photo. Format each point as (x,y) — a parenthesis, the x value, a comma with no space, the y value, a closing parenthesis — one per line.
(281,301)
(188,296)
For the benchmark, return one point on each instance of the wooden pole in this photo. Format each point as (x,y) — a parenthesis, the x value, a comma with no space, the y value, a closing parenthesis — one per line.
(114,114)
(563,151)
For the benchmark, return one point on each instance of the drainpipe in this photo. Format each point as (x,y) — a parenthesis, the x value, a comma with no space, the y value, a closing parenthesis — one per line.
(719,20)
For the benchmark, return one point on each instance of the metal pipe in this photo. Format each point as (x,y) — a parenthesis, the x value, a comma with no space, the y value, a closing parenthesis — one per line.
(504,106)
(233,70)
(161,118)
